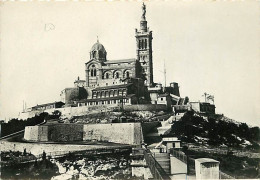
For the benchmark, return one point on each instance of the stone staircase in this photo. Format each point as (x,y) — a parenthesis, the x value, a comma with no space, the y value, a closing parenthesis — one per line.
(164,160)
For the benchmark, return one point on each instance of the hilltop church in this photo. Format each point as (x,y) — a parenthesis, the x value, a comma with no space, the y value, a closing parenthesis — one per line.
(127,81)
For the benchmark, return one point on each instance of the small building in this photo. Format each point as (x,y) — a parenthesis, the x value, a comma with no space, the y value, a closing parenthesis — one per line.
(173,89)
(206,168)
(172,142)
(69,95)
(165,99)
(79,83)
(43,107)
(203,107)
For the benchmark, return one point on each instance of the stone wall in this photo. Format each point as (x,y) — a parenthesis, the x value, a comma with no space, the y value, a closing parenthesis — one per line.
(31,133)
(145,107)
(125,133)
(65,132)
(83,110)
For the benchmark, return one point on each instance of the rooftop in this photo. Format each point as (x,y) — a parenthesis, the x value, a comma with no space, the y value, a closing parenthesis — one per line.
(163,95)
(40,105)
(206,160)
(112,87)
(120,61)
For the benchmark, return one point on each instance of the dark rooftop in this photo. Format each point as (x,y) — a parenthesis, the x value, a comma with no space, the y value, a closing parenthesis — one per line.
(112,87)
(41,105)
(120,61)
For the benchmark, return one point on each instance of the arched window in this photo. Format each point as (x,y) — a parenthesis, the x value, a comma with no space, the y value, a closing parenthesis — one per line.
(107,76)
(127,74)
(117,75)
(145,43)
(111,93)
(93,71)
(93,54)
(140,44)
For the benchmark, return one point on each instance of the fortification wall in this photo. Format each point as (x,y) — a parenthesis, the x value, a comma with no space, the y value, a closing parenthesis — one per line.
(125,133)
(145,107)
(83,110)
(65,132)
(31,133)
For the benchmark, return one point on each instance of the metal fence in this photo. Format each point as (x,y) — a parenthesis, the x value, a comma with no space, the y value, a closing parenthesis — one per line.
(156,169)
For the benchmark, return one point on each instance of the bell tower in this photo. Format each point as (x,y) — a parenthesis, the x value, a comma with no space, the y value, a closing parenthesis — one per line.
(144,48)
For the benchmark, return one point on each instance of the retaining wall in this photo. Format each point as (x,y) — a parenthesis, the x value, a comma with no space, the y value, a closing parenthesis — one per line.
(145,107)
(124,133)
(36,133)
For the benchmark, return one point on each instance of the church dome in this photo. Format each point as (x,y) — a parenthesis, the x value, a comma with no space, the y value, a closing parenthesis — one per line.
(98,52)
(98,47)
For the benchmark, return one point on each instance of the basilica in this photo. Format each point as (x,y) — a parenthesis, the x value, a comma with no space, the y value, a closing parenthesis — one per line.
(127,81)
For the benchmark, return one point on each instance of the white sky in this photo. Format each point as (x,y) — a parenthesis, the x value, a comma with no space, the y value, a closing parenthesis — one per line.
(211,47)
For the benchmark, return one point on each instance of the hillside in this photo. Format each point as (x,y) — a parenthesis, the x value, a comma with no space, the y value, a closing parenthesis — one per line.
(217,131)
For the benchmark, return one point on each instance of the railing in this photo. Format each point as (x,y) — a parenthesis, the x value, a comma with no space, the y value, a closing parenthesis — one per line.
(191,164)
(19,132)
(179,155)
(223,175)
(156,169)
(186,159)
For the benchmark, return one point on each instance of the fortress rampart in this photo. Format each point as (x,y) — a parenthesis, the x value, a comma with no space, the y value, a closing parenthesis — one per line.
(124,133)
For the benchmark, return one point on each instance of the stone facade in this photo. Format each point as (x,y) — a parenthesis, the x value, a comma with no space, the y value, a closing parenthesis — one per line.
(124,133)
(144,49)
(70,95)
(120,82)
(108,76)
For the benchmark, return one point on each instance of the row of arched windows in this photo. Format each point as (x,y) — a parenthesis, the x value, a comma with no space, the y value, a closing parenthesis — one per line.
(111,93)
(116,75)
(107,75)
(142,44)
(97,54)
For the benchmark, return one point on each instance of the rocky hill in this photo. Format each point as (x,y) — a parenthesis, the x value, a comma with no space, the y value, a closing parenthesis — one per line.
(217,130)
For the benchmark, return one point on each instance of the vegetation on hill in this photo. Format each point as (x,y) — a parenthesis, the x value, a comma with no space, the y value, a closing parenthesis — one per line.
(238,167)
(15,125)
(193,128)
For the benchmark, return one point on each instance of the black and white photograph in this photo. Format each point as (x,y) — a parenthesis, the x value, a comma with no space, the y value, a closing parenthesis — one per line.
(137,90)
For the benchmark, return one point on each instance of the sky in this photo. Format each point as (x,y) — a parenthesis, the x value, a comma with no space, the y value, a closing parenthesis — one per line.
(207,46)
